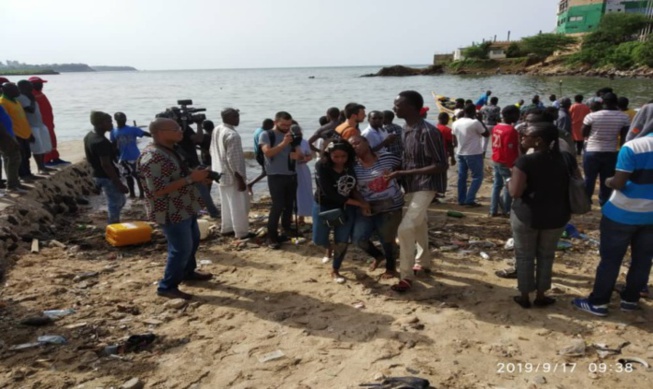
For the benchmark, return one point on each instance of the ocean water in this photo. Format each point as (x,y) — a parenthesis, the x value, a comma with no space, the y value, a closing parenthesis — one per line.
(259,93)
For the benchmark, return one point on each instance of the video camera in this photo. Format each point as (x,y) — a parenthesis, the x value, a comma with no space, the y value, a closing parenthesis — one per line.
(183,114)
(215,176)
(296,133)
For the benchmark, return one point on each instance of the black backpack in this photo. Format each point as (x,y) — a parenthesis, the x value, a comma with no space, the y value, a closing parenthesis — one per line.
(258,153)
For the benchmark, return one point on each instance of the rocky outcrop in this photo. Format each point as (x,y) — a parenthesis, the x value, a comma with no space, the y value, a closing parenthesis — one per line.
(403,71)
(37,214)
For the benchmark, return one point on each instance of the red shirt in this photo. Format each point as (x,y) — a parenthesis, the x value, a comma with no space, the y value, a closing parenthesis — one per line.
(46,109)
(505,144)
(447,136)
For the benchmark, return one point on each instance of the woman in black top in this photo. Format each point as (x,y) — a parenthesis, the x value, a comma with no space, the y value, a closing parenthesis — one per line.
(336,189)
(539,186)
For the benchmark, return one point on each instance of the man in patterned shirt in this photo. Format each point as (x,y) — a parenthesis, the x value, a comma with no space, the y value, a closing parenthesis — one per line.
(173,202)
(424,173)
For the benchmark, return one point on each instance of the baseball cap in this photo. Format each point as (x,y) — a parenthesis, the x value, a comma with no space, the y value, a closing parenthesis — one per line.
(36,79)
(423,110)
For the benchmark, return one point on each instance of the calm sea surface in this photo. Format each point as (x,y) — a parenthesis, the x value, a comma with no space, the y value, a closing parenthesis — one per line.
(259,93)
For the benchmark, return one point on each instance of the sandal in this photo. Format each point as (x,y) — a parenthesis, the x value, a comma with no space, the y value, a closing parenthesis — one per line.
(389,275)
(506,273)
(522,303)
(402,286)
(544,302)
(337,278)
(376,264)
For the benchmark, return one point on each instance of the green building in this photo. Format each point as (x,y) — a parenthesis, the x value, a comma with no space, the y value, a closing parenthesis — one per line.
(583,16)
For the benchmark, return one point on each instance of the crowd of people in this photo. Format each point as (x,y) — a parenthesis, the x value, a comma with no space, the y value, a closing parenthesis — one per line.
(377,183)
(26,131)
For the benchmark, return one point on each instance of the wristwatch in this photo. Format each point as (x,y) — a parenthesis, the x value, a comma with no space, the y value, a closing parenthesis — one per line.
(189,180)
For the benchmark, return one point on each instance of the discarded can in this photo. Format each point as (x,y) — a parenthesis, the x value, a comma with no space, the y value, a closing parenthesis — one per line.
(455,214)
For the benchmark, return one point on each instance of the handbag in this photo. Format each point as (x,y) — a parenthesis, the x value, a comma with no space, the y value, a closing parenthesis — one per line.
(334,217)
(579,202)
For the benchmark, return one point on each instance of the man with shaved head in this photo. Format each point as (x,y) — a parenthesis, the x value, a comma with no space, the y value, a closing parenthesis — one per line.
(124,137)
(173,201)
(227,158)
(100,154)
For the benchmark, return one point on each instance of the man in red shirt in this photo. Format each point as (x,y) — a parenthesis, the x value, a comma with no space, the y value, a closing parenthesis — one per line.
(447,136)
(505,150)
(51,158)
(578,111)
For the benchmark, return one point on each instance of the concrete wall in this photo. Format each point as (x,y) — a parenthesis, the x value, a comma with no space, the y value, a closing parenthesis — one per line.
(580,19)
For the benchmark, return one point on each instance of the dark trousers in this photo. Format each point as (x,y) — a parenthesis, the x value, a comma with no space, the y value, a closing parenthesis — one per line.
(615,240)
(601,165)
(579,146)
(25,154)
(283,189)
(10,153)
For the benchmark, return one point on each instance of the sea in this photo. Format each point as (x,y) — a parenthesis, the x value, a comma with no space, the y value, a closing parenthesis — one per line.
(304,92)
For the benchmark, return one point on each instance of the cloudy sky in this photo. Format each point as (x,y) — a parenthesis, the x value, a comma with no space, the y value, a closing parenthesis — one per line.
(209,34)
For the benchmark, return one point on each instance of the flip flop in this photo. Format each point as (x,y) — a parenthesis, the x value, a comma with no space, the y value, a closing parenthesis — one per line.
(402,286)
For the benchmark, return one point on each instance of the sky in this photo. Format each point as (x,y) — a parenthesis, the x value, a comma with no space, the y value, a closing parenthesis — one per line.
(214,34)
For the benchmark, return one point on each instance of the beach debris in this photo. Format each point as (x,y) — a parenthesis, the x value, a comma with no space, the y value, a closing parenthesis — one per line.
(24,346)
(449,248)
(52,339)
(359,305)
(261,232)
(56,243)
(510,244)
(206,262)
(575,349)
(175,303)
(482,244)
(76,325)
(271,356)
(571,232)
(299,240)
(58,313)
(35,246)
(400,382)
(37,321)
(631,360)
(85,276)
(154,322)
(485,255)
(456,214)
(564,245)
(110,350)
(134,383)
(539,380)
(603,350)
(136,343)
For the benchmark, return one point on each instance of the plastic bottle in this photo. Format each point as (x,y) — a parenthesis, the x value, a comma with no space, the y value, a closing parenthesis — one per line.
(455,214)
(58,313)
(53,339)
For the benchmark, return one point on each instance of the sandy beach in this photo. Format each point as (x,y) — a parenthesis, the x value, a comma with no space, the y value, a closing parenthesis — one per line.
(274,319)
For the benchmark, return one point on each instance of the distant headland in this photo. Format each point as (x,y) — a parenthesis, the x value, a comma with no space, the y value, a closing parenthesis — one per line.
(16,68)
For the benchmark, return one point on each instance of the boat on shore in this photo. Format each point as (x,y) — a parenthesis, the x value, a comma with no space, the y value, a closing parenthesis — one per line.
(444,104)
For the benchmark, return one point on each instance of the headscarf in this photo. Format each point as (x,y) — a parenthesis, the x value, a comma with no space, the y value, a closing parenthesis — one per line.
(642,124)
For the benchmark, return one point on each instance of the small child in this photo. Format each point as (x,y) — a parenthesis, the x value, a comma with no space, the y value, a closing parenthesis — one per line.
(447,136)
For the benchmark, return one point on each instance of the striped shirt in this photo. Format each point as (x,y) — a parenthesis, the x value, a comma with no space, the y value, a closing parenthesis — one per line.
(606,127)
(396,147)
(373,185)
(227,154)
(423,146)
(633,204)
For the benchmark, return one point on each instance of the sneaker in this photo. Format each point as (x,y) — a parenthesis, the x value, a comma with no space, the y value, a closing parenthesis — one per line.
(584,305)
(326,260)
(626,306)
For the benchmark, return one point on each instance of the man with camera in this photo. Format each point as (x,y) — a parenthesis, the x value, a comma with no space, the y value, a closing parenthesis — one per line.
(281,150)
(173,201)
(227,157)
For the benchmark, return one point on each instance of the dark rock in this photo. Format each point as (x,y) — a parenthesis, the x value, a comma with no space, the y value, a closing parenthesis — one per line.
(404,71)
(11,219)
(82,201)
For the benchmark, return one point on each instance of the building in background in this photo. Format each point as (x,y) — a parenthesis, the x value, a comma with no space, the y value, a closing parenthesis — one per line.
(583,16)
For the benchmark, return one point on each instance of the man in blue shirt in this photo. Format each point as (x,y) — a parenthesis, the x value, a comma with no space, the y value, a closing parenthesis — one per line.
(627,221)
(268,124)
(124,138)
(482,101)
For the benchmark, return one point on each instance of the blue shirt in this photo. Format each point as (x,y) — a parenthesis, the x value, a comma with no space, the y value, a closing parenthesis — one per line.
(5,119)
(125,140)
(482,100)
(633,204)
(257,135)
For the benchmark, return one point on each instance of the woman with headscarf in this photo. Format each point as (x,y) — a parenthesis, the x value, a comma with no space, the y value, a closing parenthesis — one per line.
(539,186)
(336,192)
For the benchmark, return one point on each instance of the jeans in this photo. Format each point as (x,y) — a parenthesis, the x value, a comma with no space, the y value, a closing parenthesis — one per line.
(10,151)
(385,225)
(534,254)
(341,234)
(183,241)
(473,163)
(602,165)
(283,189)
(501,174)
(205,194)
(115,198)
(25,153)
(615,240)
(413,230)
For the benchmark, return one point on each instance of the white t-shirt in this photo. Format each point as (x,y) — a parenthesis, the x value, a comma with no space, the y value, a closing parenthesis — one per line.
(468,132)
(374,137)
(606,126)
